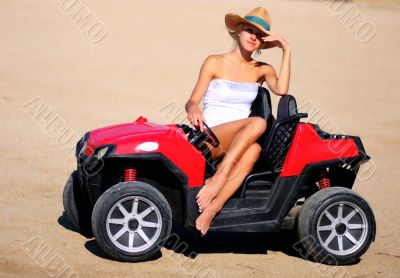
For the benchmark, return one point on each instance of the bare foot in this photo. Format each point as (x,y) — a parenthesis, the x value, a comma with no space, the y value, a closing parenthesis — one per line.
(210,189)
(203,222)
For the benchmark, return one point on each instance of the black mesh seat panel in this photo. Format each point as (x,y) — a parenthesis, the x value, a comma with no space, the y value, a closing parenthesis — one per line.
(279,139)
(280,143)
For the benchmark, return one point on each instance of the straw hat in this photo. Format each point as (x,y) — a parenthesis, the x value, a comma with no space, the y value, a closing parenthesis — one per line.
(258,18)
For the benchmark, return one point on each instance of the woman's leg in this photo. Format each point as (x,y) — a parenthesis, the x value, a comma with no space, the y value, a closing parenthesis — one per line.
(237,175)
(247,132)
(225,133)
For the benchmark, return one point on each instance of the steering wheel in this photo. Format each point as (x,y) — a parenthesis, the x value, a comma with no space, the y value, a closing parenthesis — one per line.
(210,135)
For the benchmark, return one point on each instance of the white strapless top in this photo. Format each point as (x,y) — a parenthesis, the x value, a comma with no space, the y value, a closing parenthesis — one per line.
(227,100)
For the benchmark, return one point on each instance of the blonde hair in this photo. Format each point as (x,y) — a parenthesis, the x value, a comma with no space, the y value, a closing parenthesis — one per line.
(234,32)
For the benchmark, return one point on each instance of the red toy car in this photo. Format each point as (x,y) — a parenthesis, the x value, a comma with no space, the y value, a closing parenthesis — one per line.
(134,180)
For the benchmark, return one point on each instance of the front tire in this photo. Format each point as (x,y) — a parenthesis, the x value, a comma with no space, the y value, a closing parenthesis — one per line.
(131,221)
(336,226)
(75,205)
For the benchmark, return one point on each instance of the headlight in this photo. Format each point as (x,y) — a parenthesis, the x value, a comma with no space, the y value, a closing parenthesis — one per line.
(147,146)
(100,153)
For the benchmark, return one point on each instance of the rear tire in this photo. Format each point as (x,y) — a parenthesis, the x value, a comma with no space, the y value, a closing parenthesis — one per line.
(75,206)
(131,221)
(336,226)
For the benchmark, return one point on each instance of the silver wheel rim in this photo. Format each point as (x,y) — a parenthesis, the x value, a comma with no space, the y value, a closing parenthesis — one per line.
(342,228)
(134,224)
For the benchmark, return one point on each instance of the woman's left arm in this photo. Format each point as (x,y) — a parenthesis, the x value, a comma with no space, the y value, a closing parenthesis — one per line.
(279,84)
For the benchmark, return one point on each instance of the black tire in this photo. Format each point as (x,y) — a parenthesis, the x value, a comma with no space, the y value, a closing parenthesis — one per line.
(124,233)
(336,226)
(76,207)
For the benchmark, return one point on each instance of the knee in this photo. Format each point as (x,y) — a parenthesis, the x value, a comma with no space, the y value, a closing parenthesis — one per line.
(254,152)
(258,125)
(256,148)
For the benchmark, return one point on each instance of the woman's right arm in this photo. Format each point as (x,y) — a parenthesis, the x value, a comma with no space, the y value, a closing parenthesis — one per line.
(195,115)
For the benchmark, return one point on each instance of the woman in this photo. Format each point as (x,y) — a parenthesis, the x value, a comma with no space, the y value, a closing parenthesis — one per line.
(229,83)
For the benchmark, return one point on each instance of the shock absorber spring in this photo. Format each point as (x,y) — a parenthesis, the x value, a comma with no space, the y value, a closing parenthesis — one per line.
(324,181)
(130,174)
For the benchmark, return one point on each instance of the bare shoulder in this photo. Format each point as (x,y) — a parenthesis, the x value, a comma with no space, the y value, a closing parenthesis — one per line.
(263,70)
(212,59)
(213,64)
(210,64)
(265,67)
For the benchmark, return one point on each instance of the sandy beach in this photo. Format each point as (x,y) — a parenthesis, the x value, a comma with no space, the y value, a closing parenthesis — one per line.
(143,59)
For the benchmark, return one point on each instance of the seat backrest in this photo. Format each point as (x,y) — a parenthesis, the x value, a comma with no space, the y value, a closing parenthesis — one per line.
(262,104)
(287,107)
(277,142)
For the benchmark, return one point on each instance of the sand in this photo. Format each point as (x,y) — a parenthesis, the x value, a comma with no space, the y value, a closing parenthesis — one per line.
(140,57)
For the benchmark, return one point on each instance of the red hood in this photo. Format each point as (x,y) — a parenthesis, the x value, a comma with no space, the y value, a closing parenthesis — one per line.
(129,132)
(143,137)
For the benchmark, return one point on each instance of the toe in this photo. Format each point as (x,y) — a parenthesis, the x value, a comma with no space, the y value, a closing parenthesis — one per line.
(198,222)
(202,206)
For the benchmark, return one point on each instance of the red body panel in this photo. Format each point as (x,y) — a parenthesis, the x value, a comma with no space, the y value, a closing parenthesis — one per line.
(171,140)
(307,147)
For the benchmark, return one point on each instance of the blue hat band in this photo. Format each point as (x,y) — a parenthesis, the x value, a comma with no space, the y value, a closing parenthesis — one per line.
(256,19)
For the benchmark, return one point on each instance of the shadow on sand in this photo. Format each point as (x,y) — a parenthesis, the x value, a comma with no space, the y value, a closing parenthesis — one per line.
(189,243)
(63,221)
